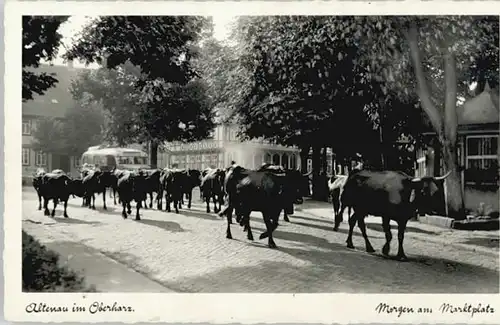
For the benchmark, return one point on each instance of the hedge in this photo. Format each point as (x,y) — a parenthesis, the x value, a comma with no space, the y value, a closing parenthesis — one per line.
(41,271)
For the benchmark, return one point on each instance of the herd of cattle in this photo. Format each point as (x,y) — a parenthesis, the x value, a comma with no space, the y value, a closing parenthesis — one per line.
(269,190)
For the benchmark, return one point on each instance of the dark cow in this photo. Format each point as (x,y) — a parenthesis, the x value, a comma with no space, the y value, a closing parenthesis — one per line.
(389,194)
(172,181)
(264,190)
(76,188)
(131,186)
(37,182)
(92,186)
(153,186)
(212,187)
(191,179)
(55,187)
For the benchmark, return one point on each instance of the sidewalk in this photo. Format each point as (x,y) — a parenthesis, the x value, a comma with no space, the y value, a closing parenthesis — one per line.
(104,273)
(481,241)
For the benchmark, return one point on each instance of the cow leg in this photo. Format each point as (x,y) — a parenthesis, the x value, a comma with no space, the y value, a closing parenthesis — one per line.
(269,227)
(216,209)
(159,200)
(190,198)
(228,230)
(114,196)
(66,208)
(167,202)
(104,199)
(129,208)
(285,216)
(339,218)
(124,213)
(54,209)
(83,201)
(46,207)
(39,201)
(388,235)
(150,200)
(362,227)
(247,226)
(138,207)
(352,223)
(401,236)
(207,201)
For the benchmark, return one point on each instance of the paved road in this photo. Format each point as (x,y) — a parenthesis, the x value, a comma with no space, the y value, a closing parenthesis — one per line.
(188,252)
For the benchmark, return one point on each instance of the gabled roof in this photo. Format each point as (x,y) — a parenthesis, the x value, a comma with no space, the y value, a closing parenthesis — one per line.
(481,109)
(56,100)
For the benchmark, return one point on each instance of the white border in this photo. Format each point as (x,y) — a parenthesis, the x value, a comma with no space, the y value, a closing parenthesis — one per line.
(219,308)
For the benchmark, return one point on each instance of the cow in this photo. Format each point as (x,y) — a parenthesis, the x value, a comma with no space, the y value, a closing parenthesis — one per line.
(263,190)
(55,187)
(77,188)
(191,179)
(37,182)
(92,186)
(131,186)
(212,187)
(153,186)
(172,181)
(389,194)
(58,171)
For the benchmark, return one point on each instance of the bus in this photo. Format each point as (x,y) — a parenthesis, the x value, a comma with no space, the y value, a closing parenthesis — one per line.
(107,159)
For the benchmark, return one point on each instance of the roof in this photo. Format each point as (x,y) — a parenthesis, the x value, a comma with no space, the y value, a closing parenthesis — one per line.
(481,109)
(56,100)
(115,151)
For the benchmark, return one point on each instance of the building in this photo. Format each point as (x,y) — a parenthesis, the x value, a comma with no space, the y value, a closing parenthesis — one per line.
(478,149)
(53,103)
(222,148)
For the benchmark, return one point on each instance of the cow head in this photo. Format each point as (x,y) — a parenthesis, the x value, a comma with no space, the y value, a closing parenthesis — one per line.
(424,191)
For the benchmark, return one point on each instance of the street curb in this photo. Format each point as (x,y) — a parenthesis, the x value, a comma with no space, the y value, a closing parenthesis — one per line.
(470,248)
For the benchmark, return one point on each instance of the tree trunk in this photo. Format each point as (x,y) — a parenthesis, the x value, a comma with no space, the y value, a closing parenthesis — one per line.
(437,158)
(153,152)
(304,154)
(324,162)
(445,128)
(454,193)
(316,166)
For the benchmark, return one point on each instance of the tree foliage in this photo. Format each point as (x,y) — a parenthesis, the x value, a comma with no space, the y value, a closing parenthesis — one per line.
(41,41)
(168,101)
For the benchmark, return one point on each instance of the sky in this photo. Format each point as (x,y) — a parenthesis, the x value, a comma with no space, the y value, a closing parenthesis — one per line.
(76,23)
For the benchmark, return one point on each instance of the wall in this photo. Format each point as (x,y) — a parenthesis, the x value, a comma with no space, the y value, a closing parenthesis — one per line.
(474,197)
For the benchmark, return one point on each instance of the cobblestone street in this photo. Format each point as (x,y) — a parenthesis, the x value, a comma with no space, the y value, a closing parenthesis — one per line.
(188,252)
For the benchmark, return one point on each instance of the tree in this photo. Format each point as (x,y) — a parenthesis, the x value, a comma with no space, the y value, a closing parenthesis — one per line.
(305,69)
(305,86)
(40,42)
(162,48)
(437,48)
(80,128)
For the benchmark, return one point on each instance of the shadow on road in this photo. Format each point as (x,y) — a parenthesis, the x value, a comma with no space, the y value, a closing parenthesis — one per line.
(198,214)
(165,225)
(327,221)
(378,227)
(487,242)
(75,221)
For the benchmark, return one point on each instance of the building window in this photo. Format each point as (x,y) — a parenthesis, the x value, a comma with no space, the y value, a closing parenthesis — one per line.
(293,162)
(26,127)
(77,161)
(481,159)
(268,158)
(40,159)
(284,161)
(25,157)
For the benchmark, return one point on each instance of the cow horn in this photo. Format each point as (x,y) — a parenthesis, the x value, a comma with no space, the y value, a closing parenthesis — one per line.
(440,178)
(416,180)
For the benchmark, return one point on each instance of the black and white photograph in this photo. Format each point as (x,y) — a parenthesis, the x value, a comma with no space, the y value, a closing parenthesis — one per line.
(243,153)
